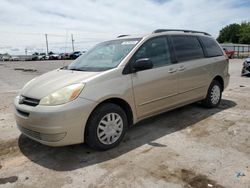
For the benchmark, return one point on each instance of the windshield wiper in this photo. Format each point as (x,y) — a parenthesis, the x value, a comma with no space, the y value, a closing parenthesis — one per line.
(89,69)
(73,69)
(77,69)
(65,67)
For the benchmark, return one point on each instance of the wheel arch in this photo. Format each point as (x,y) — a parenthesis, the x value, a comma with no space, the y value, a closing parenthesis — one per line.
(124,105)
(120,102)
(220,80)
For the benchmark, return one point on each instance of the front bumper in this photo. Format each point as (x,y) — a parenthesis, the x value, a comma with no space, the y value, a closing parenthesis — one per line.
(54,125)
(245,70)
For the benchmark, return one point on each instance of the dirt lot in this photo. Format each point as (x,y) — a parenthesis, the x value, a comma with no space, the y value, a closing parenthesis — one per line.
(188,147)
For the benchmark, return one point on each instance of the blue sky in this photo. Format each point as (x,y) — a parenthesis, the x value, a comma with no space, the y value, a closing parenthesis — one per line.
(24,22)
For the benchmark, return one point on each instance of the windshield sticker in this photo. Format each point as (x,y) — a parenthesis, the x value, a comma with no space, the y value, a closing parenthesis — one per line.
(129,42)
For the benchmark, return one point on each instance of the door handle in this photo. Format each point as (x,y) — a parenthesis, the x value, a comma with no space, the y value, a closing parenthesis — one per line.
(181,68)
(171,70)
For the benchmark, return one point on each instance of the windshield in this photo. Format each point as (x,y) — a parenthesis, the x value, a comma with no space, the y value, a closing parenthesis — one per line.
(104,56)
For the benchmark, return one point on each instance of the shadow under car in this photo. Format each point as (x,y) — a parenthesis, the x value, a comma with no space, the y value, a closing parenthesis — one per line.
(145,132)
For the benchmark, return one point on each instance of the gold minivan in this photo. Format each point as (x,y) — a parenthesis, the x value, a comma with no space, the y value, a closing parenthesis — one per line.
(97,97)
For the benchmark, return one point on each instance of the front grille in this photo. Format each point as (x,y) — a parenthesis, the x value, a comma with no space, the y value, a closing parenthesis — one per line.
(30,133)
(25,114)
(29,101)
(41,136)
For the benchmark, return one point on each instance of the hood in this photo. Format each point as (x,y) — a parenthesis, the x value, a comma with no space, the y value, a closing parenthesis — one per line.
(247,59)
(50,82)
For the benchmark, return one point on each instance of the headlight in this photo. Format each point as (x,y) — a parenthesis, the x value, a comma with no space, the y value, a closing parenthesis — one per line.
(63,95)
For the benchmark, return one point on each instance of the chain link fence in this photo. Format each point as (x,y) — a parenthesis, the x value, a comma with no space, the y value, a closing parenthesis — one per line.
(240,50)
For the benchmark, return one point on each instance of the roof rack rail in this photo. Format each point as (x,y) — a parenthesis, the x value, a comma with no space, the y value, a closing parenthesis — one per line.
(120,36)
(183,30)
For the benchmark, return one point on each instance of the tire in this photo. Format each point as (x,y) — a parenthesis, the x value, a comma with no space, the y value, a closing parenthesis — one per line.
(214,94)
(242,72)
(106,127)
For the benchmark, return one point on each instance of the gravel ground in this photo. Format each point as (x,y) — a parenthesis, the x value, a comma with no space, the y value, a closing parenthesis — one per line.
(187,147)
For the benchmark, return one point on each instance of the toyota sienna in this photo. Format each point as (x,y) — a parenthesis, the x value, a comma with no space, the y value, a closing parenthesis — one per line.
(117,83)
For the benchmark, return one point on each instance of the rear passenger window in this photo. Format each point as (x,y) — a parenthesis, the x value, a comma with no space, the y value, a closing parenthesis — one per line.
(211,47)
(187,48)
(157,50)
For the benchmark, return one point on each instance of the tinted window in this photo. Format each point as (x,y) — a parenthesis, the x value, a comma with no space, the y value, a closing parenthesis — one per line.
(187,48)
(157,50)
(211,47)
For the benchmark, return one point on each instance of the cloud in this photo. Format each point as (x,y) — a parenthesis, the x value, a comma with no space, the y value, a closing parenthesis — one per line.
(24,22)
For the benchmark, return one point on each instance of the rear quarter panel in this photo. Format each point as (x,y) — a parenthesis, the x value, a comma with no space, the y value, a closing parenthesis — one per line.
(220,68)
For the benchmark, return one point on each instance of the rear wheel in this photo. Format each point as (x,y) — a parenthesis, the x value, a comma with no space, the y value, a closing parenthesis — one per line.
(106,127)
(214,93)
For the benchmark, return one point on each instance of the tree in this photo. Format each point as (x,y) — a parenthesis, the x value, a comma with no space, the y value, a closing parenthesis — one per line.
(245,33)
(235,33)
(230,33)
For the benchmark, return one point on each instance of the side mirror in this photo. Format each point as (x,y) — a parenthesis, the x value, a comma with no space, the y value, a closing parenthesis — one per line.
(142,64)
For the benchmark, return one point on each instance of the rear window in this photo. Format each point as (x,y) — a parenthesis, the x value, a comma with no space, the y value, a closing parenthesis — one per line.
(211,47)
(187,48)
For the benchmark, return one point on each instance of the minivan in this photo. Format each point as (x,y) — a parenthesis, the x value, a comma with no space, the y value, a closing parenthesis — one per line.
(117,83)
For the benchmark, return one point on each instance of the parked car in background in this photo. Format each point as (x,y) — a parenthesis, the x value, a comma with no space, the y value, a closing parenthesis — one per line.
(38,56)
(5,57)
(54,56)
(14,58)
(46,57)
(75,54)
(64,56)
(230,53)
(246,67)
(41,56)
(61,56)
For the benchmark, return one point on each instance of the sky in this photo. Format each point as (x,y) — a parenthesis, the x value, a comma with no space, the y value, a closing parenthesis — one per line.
(24,23)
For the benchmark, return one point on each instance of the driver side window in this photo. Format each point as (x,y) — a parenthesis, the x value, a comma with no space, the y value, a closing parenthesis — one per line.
(157,50)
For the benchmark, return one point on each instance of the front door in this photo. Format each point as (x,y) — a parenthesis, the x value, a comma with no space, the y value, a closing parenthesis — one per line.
(157,88)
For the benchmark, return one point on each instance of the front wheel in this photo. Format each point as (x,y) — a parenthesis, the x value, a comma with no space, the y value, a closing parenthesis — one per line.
(214,93)
(106,127)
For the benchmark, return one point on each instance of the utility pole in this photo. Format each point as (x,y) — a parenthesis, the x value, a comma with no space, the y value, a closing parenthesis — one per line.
(72,40)
(47,46)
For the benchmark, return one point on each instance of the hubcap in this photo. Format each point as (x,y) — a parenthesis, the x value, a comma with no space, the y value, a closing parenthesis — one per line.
(110,128)
(215,94)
